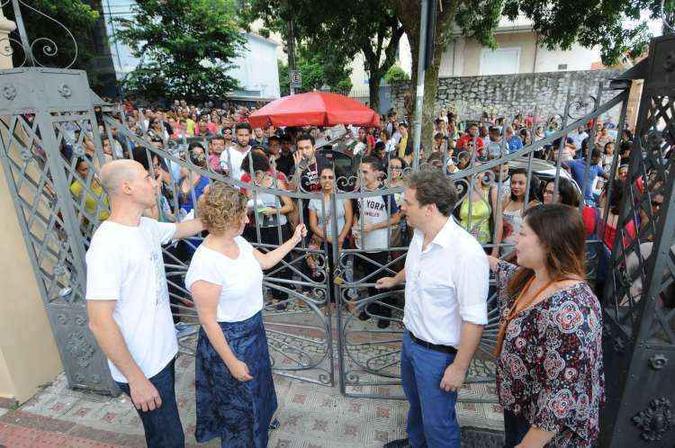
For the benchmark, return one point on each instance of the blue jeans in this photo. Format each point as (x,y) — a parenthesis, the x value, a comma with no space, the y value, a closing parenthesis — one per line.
(432,421)
(515,428)
(162,426)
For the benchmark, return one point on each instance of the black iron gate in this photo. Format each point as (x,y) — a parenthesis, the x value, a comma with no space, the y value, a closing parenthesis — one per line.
(639,304)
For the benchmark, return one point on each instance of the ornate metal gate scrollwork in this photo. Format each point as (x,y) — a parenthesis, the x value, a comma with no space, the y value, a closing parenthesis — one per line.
(655,421)
(33,122)
(639,301)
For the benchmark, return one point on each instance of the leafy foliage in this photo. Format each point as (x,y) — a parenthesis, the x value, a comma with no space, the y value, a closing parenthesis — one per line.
(337,31)
(185,46)
(562,23)
(317,69)
(395,74)
(76,15)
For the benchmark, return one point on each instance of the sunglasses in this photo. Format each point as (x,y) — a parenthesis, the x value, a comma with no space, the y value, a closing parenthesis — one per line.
(327,177)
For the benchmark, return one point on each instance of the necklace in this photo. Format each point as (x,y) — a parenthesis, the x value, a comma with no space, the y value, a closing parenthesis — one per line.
(519,305)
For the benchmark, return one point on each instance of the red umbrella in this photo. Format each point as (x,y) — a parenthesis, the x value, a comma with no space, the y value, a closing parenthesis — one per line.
(314,109)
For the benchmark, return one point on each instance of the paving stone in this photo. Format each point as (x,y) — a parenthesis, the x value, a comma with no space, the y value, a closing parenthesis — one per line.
(24,419)
(310,415)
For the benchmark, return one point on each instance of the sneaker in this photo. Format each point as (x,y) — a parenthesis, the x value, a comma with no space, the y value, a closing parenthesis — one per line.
(383,323)
(400,443)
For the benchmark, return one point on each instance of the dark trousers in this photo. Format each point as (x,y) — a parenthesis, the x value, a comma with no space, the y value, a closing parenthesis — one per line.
(162,426)
(331,267)
(270,235)
(515,428)
(364,267)
(175,276)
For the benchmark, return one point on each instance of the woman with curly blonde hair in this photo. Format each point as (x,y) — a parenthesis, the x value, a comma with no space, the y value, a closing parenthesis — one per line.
(234,387)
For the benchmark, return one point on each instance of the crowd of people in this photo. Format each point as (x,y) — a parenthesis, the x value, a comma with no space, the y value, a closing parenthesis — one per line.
(530,227)
(578,169)
(220,141)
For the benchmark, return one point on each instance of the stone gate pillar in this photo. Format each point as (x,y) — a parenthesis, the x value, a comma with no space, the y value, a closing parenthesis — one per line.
(28,353)
(6,27)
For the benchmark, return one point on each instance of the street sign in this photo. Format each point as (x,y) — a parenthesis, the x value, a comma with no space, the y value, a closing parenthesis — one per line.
(296,79)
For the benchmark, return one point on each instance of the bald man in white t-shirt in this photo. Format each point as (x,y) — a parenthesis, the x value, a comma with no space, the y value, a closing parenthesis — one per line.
(128,300)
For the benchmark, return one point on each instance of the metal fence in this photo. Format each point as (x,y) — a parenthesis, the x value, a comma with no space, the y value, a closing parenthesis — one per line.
(316,323)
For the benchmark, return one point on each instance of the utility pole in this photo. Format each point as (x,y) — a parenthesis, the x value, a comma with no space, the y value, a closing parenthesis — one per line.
(111,18)
(421,69)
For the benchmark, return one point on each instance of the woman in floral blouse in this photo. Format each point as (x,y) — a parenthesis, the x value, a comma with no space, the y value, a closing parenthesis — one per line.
(550,378)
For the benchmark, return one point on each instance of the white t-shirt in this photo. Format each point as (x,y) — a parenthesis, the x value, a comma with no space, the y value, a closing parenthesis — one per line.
(374,210)
(578,139)
(233,157)
(241,280)
(324,215)
(267,200)
(124,263)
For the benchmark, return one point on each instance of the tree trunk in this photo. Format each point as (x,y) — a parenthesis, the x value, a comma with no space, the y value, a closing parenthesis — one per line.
(409,16)
(430,91)
(374,91)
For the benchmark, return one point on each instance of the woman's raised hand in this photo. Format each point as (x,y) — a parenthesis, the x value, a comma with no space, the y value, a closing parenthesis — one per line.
(494,262)
(300,233)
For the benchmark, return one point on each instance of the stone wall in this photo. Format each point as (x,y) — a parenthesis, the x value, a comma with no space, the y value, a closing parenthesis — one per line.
(507,95)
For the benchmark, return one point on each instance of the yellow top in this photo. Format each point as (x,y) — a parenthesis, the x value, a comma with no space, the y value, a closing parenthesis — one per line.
(478,223)
(190,126)
(90,202)
(401,146)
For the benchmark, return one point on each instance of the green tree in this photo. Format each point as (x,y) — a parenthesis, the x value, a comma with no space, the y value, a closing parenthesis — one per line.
(341,29)
(319,66)
(395,74)
(316,70)
(559,24)
(185,46)
(284,81)
(74,16)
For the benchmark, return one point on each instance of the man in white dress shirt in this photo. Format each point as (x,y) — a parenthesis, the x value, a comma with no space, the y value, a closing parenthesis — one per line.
(446,278)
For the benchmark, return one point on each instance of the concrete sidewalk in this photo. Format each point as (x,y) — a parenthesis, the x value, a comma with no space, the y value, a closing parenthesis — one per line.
(311,416)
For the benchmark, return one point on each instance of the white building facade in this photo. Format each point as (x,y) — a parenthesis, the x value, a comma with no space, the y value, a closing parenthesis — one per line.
(519,51)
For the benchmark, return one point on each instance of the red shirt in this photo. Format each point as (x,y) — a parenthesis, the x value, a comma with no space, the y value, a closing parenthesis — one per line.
(281,177)
(466,138)
(609,235)
(593,224)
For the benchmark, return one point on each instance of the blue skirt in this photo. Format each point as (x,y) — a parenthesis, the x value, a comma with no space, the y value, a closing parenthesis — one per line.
(238,412)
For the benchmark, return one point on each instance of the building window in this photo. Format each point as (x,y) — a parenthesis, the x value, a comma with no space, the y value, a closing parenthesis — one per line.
(502,61)
(562,66)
